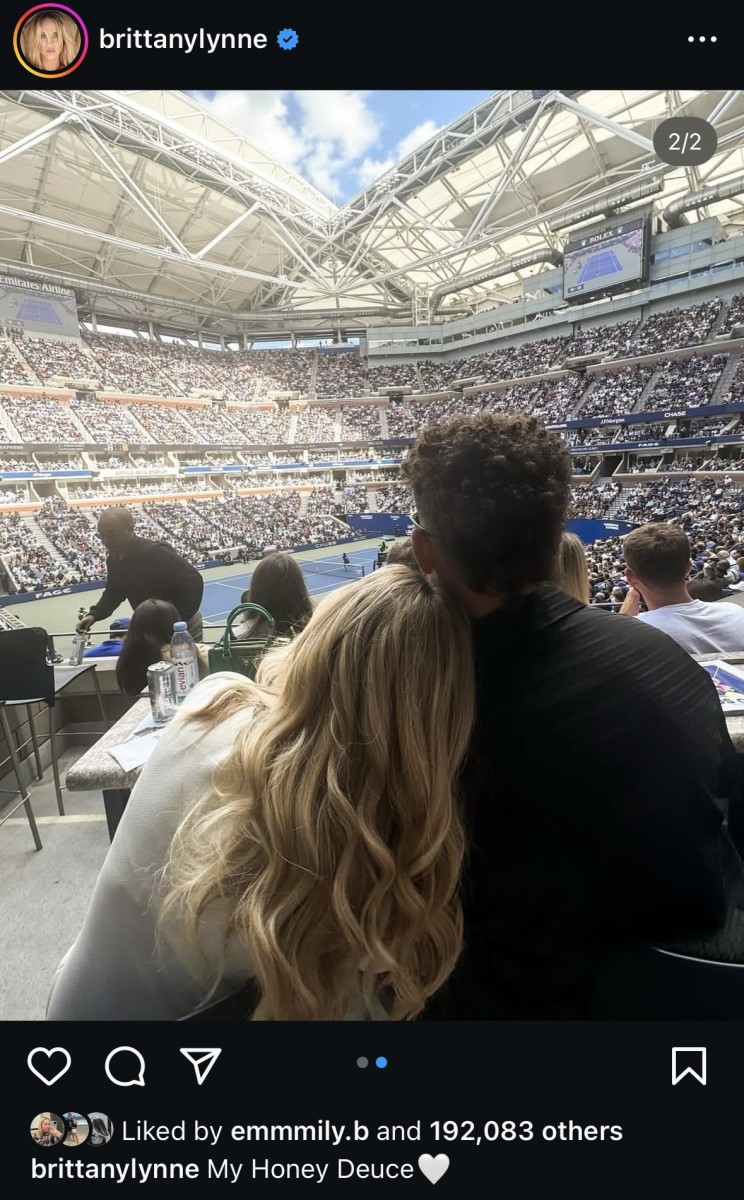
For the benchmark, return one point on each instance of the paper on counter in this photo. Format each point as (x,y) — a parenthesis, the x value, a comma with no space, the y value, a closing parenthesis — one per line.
(147,722)
(136,751)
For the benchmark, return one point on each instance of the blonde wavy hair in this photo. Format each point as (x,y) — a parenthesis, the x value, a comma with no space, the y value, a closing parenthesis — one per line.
(571,573)
(69,37)
(334,834)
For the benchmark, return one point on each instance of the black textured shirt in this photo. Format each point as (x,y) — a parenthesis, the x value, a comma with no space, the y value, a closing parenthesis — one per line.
(595,793)
(150,571)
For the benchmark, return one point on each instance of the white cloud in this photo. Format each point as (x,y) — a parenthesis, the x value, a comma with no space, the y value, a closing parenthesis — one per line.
(371,169)
(326,136)
(263,117)
(418,135)
(322,136)
(342,118)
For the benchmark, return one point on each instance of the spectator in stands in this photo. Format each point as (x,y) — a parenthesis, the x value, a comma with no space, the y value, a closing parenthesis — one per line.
(704,589)
(555,880)
(278,585)
(657,560)
(311,843)
(138,569)
(571,574)
(111,648)
(147,642)
(50,40)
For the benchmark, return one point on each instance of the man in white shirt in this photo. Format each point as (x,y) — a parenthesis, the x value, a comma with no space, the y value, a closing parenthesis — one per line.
(657,560)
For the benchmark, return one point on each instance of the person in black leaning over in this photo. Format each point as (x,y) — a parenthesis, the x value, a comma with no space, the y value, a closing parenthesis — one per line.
(561,873)
(138,569)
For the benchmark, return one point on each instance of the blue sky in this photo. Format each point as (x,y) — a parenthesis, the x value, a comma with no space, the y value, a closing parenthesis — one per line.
(340,140)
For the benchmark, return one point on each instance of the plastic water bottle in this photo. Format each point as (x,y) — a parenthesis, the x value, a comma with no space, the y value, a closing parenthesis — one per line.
(186,661)
(77,649)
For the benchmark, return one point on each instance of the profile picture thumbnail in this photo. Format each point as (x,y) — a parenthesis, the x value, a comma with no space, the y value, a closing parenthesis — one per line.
(47,1129)
(77,1129)
(50,40)
(101,1128)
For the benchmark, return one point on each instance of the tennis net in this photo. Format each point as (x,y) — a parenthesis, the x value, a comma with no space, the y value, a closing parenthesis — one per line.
(332,566)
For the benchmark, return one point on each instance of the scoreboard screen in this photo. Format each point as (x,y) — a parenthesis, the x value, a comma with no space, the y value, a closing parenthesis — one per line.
(38,308)
(607,259)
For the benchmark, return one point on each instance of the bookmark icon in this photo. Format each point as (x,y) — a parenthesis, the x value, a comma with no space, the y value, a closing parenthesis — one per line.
(689,1060)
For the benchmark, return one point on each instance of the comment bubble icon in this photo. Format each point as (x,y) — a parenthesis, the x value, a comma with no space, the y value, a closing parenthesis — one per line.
(123,1073)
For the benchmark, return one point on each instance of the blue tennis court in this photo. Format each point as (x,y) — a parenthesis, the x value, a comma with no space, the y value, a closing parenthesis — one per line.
(605,262)
(322,575)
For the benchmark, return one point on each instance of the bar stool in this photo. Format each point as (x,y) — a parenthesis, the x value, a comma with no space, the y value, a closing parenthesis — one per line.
(26,678)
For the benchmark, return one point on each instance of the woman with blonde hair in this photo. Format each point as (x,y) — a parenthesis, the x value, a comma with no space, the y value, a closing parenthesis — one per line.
(571,573)
(302,832)
(47,1133)
(50,40)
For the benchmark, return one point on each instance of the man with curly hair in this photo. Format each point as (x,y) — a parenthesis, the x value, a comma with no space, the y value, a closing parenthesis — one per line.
(560,872)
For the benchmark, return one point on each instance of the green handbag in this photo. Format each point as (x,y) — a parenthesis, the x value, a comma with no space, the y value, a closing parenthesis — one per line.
(230,655)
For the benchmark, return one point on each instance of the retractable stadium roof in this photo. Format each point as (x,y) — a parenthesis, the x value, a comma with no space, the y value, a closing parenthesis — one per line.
(154,210)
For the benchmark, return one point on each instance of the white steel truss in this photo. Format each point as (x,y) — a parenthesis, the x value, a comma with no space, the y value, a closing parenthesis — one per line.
(149,206)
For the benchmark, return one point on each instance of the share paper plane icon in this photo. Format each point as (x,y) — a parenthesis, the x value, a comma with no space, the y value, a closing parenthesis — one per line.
(202,1060)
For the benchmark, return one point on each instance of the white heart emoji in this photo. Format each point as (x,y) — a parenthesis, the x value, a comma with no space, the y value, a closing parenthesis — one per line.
(49,1053)
(433,1168)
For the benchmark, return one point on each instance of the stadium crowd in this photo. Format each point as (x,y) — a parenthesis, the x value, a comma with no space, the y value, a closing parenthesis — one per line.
(39,419)
(73,462)
(28,561)
(593,502)
(282,371)
(316,425)
(261,426)
(73,536)
(340,374)
(400,375)
(675,328)
(393,498)
(107,421)
(9,495)
(736,391)
(126,365)
(615,392)
(600,339)
(641,466)
(355,499)
(686,384)
(735,314)
(359,423)
(50,357)
(641,433)
(12,369)
(17,464)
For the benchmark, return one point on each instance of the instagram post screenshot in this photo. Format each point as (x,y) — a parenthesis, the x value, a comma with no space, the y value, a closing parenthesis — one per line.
(371,601)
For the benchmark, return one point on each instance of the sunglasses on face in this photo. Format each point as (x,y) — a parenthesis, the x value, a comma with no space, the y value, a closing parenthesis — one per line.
(419,526)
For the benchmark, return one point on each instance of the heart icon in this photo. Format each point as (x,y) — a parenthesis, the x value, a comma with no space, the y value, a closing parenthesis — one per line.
(49,1053)
(433,1168)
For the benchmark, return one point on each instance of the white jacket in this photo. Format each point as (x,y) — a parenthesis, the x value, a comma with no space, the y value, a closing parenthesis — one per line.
(112,972)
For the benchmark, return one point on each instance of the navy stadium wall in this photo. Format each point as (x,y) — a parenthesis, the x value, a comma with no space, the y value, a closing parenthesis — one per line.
(598,531)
